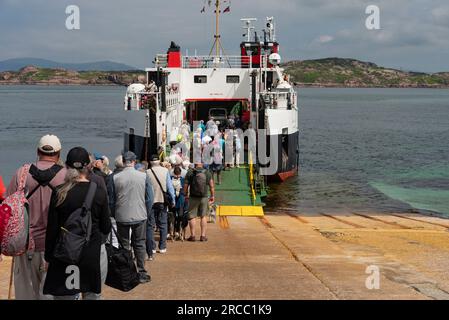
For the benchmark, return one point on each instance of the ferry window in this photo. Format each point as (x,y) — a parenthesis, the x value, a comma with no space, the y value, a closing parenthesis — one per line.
(232,79)
(200,79)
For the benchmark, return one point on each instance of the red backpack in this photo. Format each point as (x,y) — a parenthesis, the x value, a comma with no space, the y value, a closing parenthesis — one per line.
(15,237)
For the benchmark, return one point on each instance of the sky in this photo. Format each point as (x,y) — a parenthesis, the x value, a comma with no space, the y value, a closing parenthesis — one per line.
(413,35)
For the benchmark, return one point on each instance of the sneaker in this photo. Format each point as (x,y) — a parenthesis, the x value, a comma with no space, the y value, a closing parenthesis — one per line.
(191,238)
(144,277)
(150,258)
(154,251)
(204,239)
(162,251)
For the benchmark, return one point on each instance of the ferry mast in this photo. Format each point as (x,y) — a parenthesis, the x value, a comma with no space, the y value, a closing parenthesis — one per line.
(217,37)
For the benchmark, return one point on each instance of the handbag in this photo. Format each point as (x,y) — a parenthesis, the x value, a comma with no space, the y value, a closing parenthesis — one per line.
(168,201)
(122,272)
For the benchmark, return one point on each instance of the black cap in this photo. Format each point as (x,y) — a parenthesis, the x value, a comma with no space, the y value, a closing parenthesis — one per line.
(154,157)
(77,158)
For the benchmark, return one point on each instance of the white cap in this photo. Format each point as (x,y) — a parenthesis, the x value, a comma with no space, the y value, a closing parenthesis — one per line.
(49,144)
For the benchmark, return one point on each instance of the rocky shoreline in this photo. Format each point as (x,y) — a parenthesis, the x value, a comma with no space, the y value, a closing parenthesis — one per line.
(32,75)
(351,73)
(324,73)
(361,86)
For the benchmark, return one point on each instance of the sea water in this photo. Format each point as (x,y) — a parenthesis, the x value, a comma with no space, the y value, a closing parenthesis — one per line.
(360,149)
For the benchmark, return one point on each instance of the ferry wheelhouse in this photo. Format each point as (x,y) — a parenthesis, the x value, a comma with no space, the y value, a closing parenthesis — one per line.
(251,85)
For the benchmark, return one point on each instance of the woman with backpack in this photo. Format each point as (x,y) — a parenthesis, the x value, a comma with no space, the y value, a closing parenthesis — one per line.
(66,280)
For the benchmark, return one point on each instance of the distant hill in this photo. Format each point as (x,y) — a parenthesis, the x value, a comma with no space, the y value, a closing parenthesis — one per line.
(17,64)
(338,72)
(45,76)
(330,72)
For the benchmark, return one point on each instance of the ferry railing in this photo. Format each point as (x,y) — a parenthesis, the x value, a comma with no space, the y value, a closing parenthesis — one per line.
(172,98)
(196,62)
(271,99)
(251,179)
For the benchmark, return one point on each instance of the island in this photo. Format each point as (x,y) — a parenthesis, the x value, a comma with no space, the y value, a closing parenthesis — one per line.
(325,73)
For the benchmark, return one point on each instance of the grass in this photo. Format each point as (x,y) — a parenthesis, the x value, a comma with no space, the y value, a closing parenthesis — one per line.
(341,71)
(97,77)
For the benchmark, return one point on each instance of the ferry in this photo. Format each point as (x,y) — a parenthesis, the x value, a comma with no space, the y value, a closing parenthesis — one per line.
(252,85)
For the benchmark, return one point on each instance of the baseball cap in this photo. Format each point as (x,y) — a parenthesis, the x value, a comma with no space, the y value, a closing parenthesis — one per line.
(77,158)
(49,144)
(98,156)
(129,156)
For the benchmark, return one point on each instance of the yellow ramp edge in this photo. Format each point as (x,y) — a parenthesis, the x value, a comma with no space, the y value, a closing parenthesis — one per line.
(245,211)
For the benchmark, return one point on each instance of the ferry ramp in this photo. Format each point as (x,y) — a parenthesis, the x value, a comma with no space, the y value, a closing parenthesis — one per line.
(237,194)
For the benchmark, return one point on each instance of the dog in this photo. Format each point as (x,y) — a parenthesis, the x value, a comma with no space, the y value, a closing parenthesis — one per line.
(171,225)
(177,225)
(212,216)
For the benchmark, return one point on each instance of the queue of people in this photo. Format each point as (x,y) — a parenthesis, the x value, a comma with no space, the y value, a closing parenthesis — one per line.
(135,199)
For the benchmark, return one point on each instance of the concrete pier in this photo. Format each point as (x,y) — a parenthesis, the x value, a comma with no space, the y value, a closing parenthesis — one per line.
(300,256)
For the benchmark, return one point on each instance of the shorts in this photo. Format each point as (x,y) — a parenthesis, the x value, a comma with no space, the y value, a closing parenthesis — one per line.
(216,167)
(198,207)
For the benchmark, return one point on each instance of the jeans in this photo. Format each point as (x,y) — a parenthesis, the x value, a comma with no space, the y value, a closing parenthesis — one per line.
(137,241)
(158,217)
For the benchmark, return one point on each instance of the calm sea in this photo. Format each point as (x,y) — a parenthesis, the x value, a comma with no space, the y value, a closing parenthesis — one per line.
(361,149)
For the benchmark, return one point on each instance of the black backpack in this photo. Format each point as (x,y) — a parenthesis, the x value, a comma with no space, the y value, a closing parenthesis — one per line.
(43,177)
(76,232)
(198,185)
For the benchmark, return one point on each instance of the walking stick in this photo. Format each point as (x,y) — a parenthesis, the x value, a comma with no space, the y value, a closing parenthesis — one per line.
(10,280)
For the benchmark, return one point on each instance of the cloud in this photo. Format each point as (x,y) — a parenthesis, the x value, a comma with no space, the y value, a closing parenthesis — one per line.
(324,39)
(414,33)
(441,15)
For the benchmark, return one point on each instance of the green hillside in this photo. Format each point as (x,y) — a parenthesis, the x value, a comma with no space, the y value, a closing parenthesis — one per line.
(46,76)
(337,72)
